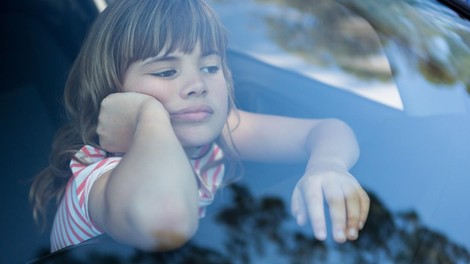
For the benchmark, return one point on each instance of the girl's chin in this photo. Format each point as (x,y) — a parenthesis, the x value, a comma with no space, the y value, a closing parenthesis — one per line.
(194,138)
(189,143)
(193,144)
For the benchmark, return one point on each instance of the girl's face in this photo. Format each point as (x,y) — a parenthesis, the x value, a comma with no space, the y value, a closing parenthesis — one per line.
(191,87)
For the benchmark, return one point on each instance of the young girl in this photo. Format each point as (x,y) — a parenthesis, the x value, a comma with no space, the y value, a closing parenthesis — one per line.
(153,128)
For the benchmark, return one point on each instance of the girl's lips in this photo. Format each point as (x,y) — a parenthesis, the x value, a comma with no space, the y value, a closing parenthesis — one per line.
(192,114)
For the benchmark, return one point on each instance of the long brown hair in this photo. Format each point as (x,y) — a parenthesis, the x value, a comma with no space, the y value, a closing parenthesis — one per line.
(125,32)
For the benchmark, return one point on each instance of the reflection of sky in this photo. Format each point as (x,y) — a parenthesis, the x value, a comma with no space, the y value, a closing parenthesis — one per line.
(415,163)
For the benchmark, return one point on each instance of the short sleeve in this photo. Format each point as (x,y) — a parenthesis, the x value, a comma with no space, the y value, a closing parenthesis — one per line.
(72,223)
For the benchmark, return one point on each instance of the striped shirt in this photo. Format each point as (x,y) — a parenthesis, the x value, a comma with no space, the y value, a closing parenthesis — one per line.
(72,223)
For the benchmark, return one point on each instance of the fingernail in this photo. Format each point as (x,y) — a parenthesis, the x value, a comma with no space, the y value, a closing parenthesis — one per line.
(361,225)
(340,236)
(352,233)
(321,234)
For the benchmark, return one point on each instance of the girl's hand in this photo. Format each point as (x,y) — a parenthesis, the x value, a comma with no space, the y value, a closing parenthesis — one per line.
(348,202)
(119,116)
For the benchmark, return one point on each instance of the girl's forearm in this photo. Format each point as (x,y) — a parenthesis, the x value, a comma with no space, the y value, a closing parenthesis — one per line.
(152,194)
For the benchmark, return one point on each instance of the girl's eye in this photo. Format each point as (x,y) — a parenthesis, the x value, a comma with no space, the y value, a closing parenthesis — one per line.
(210,69)
(165,74)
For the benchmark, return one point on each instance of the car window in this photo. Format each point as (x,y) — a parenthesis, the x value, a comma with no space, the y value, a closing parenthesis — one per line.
(397,73)
(412,59)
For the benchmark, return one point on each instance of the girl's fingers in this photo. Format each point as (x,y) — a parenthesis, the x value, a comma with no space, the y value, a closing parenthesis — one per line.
(348,205)
(298,207)
(313,198)
(337,204)
(365,205)
(354,211)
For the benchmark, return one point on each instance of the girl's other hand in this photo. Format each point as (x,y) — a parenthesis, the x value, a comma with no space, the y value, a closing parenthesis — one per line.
(348,203)
(119,116)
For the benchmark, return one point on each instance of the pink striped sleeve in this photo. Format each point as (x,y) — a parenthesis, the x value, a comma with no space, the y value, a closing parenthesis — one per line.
(209,180)
(72,223)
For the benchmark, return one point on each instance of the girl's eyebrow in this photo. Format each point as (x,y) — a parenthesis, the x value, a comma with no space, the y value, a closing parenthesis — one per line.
(167,58)
(160,59)
(210,53)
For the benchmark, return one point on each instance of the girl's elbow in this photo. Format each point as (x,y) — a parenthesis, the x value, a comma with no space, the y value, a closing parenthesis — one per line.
(175,229)
(167,228)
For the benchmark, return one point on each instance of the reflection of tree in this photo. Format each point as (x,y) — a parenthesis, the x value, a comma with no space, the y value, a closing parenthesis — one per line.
(426,32)
(190,253)
(109,252)
(256,226)
(325,33)
(259,230)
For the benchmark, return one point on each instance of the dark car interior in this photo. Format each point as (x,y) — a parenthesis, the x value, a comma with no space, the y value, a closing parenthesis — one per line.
(40,39)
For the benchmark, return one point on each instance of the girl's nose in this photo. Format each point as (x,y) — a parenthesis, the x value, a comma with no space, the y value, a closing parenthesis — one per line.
(194,88)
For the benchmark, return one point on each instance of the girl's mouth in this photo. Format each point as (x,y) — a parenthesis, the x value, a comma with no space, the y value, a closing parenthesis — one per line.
(192,114)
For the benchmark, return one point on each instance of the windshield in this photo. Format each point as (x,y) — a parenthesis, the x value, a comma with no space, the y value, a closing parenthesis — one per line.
(398,72)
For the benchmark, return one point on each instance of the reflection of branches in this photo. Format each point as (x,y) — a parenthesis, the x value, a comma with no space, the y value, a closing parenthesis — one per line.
(325,33)
(257,225)
(337,34)
(262,228)
(190,253)
(438,39)
(257,228)
(251,224)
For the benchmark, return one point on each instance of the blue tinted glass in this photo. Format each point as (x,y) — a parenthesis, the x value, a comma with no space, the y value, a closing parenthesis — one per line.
(398,73)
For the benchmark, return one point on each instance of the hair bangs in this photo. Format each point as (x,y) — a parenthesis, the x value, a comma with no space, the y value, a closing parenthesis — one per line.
(182,26)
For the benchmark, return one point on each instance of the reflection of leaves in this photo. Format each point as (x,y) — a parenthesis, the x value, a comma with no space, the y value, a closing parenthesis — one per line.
(386,237)
(260,226)
(306,249)
(344,33)
(107,251)
(251,223)
(190,253)
(257,228)
(324,33)
(439,41)
(436,73)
